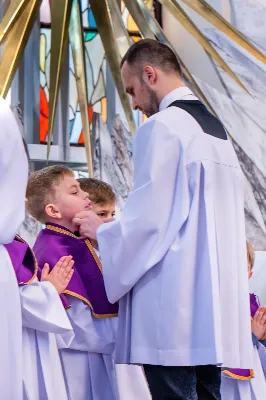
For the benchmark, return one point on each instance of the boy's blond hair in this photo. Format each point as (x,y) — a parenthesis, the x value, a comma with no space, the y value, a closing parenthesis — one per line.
(250,255)
(99,192)
(40,189)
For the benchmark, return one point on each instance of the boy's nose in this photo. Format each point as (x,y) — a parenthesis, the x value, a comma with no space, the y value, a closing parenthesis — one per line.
(85,195)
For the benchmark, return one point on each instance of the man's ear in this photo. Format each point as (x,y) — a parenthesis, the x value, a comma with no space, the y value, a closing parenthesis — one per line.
(52,211)
(149,74)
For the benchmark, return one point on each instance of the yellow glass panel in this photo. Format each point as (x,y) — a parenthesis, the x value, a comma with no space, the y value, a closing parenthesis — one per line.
(131,26)
(149,4)
(104,109)
(136,38)
(42,52)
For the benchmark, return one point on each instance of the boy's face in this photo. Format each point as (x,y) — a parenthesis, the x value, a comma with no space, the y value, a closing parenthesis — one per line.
(106,210)
(69,200)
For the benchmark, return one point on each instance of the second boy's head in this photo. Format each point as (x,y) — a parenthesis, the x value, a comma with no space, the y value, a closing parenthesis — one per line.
(54,195)
(101,195)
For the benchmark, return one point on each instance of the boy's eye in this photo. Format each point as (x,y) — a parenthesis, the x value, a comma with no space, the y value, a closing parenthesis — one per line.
(101,214)
(74,192)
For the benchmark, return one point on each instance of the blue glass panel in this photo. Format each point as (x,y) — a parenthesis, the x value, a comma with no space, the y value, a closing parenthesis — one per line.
(92,23)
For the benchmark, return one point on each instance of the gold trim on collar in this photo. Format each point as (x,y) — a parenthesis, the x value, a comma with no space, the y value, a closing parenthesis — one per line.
(94,255)
(87,242)
(78,296)
(239,377)
(62,230)
(96,259)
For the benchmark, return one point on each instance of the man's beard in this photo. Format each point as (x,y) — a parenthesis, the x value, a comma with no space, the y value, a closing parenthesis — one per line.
(152,105)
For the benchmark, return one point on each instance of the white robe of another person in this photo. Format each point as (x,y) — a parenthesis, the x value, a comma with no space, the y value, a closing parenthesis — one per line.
(89,369)
(43,318)
(253,389)
(130,379)
(131,382)
(176,260)
(13,181)
(87,363)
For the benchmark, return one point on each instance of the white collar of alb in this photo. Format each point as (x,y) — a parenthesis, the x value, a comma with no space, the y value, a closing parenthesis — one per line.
(176,94)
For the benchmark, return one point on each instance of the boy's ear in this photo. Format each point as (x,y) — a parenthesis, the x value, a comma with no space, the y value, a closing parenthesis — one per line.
(52,211)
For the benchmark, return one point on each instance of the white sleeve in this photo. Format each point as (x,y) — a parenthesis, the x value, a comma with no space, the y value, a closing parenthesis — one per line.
(10,332)
(42,308)
(95,335)
(262,355)
(153,214)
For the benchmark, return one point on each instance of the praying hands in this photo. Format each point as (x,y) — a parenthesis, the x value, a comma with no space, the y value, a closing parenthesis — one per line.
(258,324)
(60,275)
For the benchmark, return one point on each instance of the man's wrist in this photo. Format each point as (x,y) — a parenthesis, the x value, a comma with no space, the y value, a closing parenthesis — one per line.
(99,229)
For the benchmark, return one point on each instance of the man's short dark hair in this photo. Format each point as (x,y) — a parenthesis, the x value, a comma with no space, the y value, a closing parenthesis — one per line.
(154,53)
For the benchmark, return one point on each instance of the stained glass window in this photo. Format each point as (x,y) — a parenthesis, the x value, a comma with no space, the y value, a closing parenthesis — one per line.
(88,20)
(96,87)
(96,65)
(45,13)
(45,52)
(129,21)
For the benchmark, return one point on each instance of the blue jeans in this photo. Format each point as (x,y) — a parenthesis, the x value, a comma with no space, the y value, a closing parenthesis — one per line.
(184,383)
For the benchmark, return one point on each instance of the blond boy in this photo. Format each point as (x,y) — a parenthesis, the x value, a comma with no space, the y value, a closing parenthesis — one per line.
(54,197)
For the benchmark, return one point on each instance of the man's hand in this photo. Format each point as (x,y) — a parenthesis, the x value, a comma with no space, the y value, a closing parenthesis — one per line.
(61,274)
(258,322)
(88,223)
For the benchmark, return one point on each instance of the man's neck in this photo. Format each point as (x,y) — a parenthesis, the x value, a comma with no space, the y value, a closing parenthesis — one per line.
(170,87)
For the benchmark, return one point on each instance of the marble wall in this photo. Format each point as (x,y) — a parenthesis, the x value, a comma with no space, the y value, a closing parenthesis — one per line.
(112,156)
(243,114)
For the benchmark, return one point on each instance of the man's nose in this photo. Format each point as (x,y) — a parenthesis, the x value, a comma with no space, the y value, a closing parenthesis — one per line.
(134,105)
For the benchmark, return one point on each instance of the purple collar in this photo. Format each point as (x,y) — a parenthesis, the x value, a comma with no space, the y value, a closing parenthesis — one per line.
(87,282)
(23,260)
